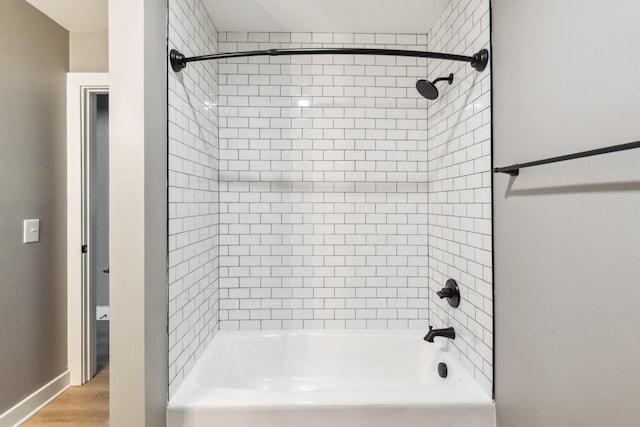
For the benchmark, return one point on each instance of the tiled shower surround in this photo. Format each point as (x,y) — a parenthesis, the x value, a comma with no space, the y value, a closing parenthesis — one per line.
(459,176)
(323,192)
(193,191)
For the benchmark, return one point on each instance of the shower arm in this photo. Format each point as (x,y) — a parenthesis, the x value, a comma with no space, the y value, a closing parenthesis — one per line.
(449,79)
(478,61)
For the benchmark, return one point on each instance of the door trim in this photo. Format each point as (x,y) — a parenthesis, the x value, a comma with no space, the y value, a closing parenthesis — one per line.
(79,88)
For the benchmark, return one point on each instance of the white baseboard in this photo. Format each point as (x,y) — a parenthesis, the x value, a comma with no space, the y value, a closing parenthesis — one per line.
(25,409)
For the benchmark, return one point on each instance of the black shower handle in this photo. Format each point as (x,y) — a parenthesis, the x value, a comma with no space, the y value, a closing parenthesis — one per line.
(450,292)
(445,293)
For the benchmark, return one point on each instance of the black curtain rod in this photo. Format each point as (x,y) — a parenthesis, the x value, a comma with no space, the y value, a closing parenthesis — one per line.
(478,61)
(514,170)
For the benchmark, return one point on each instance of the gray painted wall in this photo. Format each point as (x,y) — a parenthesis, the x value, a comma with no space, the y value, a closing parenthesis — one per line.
(89,52)
(566,235)
(33,348)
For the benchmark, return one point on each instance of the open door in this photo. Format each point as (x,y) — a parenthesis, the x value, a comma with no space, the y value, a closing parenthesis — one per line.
(96,207)
(87,224)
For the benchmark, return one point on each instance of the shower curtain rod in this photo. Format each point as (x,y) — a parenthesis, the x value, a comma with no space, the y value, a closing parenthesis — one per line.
(478,61)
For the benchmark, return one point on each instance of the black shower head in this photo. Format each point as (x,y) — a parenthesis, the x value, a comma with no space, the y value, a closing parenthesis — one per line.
(428,89)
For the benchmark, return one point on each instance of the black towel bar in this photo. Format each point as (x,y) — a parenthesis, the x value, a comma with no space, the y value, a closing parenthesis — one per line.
(514,170)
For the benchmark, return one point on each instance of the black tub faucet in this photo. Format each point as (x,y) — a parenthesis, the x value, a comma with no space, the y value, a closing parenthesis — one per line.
(445,332)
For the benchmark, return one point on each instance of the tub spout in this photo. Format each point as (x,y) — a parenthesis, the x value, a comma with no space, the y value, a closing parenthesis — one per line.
(445,332)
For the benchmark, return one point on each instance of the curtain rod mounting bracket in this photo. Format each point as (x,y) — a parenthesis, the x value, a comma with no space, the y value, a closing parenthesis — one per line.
(177,60)
(480,60)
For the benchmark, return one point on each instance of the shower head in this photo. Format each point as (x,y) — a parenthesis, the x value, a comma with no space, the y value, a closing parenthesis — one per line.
(428,89)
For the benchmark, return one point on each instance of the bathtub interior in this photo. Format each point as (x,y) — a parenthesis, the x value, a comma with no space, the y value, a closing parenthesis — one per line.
(306,361)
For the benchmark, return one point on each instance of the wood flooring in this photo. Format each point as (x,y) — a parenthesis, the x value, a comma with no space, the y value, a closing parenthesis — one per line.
(86,405)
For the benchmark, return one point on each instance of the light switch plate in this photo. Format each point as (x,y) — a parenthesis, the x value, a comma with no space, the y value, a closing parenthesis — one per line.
(31,230)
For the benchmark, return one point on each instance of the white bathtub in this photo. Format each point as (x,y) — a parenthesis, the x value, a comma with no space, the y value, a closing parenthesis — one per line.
(334,379)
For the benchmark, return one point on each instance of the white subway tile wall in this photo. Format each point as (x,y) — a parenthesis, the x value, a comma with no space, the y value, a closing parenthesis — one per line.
(323,185)
(193,190)
(459,175)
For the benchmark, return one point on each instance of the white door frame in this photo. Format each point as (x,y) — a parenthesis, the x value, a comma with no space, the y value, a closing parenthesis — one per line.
(79,87)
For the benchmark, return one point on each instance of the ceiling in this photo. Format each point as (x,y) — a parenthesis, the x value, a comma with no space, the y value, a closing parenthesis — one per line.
(76,15)
(338,16)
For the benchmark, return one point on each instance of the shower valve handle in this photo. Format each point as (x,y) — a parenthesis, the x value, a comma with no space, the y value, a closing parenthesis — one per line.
(445,293)
(451,293)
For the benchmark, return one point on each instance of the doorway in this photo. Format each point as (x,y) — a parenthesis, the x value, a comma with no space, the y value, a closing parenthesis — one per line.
(97,206)
(87,225)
